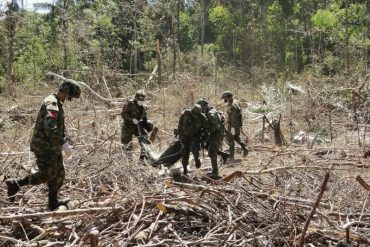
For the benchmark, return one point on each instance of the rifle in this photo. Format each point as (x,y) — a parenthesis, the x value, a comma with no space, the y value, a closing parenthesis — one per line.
(141,136)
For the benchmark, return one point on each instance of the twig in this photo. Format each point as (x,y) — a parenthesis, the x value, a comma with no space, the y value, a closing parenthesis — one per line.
(60,213)
(323,188)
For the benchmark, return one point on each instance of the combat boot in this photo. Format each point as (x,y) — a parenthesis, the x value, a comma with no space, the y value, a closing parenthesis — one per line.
(198,164)
(232,155)
(214,175)
(55,201)
(52,201)
(224,156)
(185,169)
(245,151)
(142,160)
(13,188)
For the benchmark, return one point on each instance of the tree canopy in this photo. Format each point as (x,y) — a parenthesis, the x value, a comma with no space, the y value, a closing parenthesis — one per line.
(322,37)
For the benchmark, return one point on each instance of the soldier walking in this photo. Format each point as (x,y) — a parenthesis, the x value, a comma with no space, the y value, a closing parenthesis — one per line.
(234,124)
(135,123)
(190,125)
(216,130)
(48,141)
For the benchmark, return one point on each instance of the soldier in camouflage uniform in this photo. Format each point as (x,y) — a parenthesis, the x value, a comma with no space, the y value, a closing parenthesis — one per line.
(234,123)
(48,141)
(215,136)
(190,124)
(135,122)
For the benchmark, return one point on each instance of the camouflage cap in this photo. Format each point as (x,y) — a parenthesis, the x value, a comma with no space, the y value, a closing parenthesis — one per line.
(140,95)
(226,94)
(202,102)
(196,110)
(73,89)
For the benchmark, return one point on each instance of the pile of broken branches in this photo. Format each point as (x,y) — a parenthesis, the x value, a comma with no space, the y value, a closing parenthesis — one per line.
(288,196)
(129,205)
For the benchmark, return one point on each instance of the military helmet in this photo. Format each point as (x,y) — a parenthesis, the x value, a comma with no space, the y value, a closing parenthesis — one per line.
(226,94)
(202,102)
(196,110)
(71,88)
(140,95)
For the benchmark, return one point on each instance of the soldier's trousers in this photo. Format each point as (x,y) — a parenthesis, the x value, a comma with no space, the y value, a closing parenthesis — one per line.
(230,138)
(50,171)
(215,143)
(127,133)
(187,147)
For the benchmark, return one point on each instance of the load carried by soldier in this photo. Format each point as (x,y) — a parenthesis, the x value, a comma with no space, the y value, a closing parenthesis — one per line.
(200,127)
(203,128)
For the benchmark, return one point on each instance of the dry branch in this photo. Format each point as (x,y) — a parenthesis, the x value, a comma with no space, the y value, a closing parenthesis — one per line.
(60,213)
(323,188)
(112,102)
(363,183)
(263,200)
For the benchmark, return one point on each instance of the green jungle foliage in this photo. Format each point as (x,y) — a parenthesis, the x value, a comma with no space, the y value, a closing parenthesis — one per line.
(288,36)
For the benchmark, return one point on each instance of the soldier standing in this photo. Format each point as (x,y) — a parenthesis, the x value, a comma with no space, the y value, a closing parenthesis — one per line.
(135,122)
(190,125)
(234,124)
(216,130)
(48,141)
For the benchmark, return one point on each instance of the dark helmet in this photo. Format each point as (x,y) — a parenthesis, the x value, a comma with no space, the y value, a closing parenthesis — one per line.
(196,110)
(73,89)
(226,94)
(202,102)
(140,95)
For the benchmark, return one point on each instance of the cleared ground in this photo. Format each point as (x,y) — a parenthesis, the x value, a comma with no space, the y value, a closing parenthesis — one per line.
(118,202)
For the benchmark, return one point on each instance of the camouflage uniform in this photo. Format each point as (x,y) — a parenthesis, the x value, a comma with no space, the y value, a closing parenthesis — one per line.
(131,110)
(216,131)
(190,126)
(47,140)
(234,124)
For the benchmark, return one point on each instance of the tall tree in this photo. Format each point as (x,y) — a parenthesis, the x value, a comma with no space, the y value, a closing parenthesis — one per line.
(11,24)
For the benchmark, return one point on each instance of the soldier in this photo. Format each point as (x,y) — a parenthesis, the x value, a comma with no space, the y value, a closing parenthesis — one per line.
(190,124)
(48,141)
(216,130)
(135,122)
(234,123)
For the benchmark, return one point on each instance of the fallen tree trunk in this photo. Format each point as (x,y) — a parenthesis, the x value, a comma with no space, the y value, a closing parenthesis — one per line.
(111,102)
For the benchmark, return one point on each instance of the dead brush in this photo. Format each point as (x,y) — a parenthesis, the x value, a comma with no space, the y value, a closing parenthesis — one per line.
(118,202)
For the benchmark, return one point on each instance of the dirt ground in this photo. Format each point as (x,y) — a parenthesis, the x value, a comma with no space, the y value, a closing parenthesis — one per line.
(100,175)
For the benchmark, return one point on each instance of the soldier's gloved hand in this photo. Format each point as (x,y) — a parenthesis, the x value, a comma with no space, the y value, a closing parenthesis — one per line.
(67,149)
(135,121)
